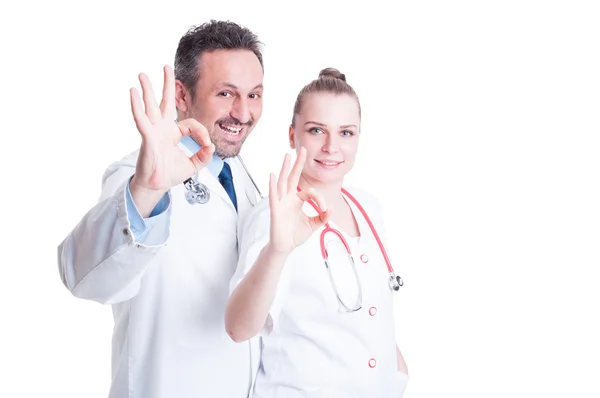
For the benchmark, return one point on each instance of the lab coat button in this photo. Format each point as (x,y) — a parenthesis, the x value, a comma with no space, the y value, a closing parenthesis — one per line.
(372,311)
(372,362)
(364,258)
(125,232)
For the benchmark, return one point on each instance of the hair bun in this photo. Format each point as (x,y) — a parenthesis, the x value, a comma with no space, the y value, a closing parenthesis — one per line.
(332,72)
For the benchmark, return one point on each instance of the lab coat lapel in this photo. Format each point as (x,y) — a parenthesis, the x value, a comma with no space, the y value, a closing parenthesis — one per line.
(213,184)
(244,189)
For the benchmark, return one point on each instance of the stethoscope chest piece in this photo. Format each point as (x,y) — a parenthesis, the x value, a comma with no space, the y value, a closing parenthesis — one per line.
(396,282)
(196,192)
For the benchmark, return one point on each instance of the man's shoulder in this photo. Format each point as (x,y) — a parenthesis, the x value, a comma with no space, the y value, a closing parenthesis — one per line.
(124,165)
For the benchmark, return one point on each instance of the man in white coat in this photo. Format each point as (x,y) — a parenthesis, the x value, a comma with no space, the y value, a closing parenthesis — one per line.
(160,246)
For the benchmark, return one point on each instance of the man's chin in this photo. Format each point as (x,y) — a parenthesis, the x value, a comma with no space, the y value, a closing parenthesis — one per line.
(227,150)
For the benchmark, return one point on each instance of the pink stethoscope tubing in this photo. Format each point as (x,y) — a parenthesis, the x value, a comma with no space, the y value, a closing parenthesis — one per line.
(394,281)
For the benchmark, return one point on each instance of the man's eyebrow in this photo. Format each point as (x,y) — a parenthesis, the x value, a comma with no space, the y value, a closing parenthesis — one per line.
(234,87)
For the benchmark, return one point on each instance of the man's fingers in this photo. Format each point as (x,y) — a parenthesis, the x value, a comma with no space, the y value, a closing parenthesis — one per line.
(167,104)
(294,177)
(152,110)
(282,181)
(196,130)
(202,157)
(141,120)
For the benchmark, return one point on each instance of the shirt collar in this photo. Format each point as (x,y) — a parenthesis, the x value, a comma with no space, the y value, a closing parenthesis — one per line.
(216,165)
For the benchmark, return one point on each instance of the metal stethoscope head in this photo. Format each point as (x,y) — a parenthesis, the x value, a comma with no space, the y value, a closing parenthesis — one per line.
(198,193)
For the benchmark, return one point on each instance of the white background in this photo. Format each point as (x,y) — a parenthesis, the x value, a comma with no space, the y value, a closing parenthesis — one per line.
(480,136)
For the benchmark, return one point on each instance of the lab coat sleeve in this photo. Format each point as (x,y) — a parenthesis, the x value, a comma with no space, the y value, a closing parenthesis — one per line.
(253,235)
(103,259)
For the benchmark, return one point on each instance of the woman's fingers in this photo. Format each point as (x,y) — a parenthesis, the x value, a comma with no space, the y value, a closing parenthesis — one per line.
(319,220)
(283,173)
(312,194)
(294,176)
(273,198)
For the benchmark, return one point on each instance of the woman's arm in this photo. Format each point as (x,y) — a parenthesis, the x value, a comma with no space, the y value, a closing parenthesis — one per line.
(251,301)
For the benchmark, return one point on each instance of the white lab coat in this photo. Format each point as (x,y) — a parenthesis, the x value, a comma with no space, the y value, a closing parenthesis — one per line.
(309,348)
(168,296)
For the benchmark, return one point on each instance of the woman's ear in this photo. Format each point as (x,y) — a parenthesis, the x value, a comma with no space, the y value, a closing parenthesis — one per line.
(292,138)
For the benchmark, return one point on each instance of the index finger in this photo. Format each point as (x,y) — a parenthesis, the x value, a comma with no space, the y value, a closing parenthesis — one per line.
(311,194)
(196,130)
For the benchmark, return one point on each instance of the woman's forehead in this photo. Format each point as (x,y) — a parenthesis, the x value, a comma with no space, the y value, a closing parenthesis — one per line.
(330,109)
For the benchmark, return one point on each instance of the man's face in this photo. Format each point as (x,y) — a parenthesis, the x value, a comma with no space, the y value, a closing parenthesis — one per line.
(228,98)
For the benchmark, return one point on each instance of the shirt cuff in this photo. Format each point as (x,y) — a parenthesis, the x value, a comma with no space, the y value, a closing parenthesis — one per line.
(140,225)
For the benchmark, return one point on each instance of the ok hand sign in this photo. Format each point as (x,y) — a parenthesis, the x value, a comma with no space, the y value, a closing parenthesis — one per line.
(290,226)
(161,163)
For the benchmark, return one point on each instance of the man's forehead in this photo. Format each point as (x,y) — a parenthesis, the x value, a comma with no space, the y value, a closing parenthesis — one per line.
(236,70)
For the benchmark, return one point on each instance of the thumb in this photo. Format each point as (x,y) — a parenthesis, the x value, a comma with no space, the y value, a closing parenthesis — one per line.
(311,195)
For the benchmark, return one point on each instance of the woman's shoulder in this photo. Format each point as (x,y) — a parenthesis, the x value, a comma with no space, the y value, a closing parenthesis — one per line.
(364,197)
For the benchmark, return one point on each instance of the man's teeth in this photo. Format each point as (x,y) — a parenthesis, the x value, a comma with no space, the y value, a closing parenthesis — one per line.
(231,130)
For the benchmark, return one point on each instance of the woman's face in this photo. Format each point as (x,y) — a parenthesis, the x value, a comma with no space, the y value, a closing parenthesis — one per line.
(328,128)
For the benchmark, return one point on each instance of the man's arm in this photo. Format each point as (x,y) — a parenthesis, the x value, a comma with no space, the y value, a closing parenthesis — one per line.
(105,256)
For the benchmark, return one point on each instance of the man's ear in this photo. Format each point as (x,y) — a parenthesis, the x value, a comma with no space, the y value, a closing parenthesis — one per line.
(182,97)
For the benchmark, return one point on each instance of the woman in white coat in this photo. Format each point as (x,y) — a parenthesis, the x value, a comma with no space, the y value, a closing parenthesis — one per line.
(327,328)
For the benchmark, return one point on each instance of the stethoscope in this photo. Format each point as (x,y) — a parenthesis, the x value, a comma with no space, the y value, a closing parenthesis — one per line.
(198,193)
(394,281)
